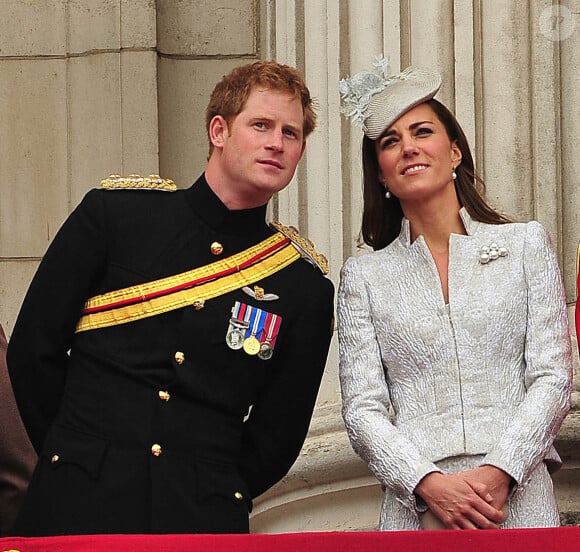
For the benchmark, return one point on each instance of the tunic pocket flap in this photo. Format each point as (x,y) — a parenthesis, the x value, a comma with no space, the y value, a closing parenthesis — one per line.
(220,481)
(67,446)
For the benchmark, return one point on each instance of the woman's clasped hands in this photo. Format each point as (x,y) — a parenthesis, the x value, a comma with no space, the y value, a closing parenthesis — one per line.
(473,499)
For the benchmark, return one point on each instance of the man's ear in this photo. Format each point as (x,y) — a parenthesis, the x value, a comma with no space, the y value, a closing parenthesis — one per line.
(218,131)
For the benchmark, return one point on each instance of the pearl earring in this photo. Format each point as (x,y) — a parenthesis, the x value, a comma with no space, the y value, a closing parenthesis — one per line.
(383,183)
(453,173)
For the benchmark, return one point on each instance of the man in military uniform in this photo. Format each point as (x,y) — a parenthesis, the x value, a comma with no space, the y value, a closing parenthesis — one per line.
(169,351)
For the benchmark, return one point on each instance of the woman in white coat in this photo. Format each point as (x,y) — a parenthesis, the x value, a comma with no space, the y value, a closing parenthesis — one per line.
(455,359)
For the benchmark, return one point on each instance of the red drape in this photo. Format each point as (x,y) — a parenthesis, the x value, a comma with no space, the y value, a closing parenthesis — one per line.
(560,539)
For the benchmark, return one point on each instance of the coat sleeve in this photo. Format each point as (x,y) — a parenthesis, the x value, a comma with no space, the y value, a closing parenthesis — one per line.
(548,375)
(17,457)
(395,461)
(279,421)
(44,330)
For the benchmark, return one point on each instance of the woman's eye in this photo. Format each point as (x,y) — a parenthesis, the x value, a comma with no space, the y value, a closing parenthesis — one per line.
(387,142)
(424,130)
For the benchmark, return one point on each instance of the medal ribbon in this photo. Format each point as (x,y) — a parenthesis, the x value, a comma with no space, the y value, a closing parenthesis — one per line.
(273,330)
(239,313)
(256,319)
(237,320)
(267,324)
(236,310)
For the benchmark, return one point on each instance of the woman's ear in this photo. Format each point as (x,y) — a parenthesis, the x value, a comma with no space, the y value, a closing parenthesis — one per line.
(456,156)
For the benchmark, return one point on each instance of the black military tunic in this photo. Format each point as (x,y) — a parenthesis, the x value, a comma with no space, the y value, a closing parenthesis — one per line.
(143,427)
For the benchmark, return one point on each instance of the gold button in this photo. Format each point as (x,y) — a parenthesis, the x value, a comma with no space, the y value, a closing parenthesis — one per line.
(216,248)
(156,450)
(239,495)
(179,357)
(164,395)
(198,304)
(55,459)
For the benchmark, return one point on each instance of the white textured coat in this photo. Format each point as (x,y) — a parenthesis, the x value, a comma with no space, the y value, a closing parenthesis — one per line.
(487,376)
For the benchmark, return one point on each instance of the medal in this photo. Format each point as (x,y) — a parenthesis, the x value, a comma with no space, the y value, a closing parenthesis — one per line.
(251,345)
(265,352)
(256,318)
(235,339)
(272,324)
(254,330)
(237,328)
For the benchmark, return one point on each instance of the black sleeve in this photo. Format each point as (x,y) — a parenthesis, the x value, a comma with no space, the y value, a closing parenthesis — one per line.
(38,349)
(279,421)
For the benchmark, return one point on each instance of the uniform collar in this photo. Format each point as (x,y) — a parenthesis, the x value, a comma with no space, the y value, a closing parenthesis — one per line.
(208,206)
(469,224)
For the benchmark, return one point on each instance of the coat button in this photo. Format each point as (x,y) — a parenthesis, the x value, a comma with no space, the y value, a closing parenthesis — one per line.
(55,459)
(238,495)
(164,395)
(179,357)
(216,248)
(156,450)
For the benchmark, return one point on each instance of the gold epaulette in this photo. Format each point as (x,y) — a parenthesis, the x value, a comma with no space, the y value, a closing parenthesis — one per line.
(578,260)
(305,246)
(136,182)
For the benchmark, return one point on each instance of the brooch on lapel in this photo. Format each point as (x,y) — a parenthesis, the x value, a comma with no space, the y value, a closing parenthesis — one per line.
(491,253)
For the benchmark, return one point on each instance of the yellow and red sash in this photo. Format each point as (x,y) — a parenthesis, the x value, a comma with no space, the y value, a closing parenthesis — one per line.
(191,287)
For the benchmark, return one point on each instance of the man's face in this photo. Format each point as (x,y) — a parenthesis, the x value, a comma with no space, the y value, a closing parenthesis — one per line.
(261,147)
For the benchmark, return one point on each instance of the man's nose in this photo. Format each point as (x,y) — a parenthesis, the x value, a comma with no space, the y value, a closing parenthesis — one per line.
(276,140)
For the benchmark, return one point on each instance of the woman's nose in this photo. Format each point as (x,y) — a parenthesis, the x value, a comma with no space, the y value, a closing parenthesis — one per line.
(409,146)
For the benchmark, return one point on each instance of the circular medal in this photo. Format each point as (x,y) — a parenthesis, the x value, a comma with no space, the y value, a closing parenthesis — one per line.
(251,345)
(266,352)
(235,339)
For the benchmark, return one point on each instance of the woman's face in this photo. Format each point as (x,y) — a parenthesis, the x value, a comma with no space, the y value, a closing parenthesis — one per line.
(416,157)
